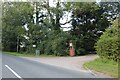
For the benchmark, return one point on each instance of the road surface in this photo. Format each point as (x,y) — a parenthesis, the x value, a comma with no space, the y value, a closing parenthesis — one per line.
(18,67)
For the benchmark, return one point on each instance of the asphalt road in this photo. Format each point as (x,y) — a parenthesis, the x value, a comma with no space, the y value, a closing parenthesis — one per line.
(18,67)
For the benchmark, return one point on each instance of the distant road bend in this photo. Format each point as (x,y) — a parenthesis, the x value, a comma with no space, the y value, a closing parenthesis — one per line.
(17,67)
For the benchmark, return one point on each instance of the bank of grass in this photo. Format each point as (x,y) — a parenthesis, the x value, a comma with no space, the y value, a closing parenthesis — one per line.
(103,65)
(28,55)
(18,54)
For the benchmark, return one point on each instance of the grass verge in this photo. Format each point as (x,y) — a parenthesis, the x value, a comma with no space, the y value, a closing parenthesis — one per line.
(28,55)
(19,54)
(103,65)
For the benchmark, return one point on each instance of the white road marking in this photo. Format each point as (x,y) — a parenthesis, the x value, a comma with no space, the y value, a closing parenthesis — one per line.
(14,72)
(91,71)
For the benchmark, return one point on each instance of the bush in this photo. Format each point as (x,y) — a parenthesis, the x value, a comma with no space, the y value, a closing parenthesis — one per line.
(107,45)
(59,44)
(79,47)
(84,44)
(55,44)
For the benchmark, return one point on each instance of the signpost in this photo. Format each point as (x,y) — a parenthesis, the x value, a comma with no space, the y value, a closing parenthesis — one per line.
(72,50)
(37,52)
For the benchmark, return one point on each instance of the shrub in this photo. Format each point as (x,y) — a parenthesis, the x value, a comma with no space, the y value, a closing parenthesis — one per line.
(55,44)
(107,45)
(59,44)
(79,47)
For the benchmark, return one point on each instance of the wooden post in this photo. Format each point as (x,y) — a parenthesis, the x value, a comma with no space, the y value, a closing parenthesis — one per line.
(72,50)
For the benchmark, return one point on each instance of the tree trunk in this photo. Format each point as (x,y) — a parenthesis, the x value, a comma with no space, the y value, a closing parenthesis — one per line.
(18,44)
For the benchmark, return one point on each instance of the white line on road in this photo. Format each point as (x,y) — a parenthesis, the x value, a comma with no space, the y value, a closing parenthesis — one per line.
(91,71)
(14,72)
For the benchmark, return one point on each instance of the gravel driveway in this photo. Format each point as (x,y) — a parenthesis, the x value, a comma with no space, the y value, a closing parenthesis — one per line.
(66,62)
(73,63)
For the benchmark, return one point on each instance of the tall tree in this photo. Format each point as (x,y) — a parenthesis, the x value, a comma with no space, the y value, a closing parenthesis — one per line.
(15,16)
(87,21)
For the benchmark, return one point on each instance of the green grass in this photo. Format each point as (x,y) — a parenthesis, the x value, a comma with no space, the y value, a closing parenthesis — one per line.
(103,65)
(28,55)
(19,54)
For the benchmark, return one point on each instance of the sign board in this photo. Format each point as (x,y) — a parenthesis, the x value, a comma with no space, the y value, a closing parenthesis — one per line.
(70,44)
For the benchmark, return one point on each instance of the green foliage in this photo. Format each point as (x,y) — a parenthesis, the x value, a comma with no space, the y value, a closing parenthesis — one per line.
(107,45)
(84,29)
(86,20)
(55,44)
(9,42)
(60,44)
(14,17)
(77,44)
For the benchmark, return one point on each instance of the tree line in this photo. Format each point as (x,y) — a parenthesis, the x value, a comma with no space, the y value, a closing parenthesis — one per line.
(38,23)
